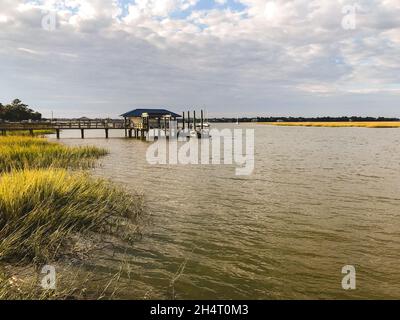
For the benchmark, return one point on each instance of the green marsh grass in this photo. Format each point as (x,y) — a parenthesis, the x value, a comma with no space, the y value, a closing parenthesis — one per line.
(18,152)
(38,133)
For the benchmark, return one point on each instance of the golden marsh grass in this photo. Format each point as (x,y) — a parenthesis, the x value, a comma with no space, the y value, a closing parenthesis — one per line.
(367,124)
(48,213)
(41,208)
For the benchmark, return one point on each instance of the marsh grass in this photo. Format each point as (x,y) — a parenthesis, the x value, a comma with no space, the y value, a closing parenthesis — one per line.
(42,209)
(366,124)
(38,133)
(20,152)
(49,213)
(23,283)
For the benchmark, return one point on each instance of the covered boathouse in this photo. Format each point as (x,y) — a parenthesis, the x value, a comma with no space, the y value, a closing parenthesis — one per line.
(140,121)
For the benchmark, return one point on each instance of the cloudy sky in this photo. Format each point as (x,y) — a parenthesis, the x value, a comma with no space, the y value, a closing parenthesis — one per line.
(231,57)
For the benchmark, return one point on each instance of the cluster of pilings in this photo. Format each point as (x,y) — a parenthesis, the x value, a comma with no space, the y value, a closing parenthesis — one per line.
(192,123)
(135,133)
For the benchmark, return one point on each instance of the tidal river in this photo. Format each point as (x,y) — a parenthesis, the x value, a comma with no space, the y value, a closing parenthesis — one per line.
(319,199)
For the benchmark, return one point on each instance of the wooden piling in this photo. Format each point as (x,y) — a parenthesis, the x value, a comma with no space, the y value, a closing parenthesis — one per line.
(183,121)
(194,120)
(130,133)
(58,133)
(83,133)
(106,133)
(202,119)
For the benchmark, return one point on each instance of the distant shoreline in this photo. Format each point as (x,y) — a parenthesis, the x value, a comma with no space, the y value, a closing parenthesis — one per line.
(360,124)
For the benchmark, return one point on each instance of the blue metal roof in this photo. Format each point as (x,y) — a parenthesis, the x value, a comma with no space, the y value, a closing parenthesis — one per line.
(151,112)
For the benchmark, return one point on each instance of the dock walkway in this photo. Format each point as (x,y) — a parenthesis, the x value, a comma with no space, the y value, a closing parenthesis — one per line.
(58,125)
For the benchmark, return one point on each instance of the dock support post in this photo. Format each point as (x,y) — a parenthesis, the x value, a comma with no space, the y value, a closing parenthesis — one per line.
(183,121)
(106,133)
(58,133)
(83,133)
(188,120)
(194,120)
(202,119)
(130,133)
(126,129)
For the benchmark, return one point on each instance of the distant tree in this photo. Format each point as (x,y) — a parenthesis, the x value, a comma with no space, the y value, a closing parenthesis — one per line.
(17,111)
(2,110)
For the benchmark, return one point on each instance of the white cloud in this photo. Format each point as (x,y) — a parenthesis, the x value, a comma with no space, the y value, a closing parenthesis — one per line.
(156,8)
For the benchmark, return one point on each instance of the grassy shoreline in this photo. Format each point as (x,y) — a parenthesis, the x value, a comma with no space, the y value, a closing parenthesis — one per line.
(19,152)
(366,124)
(48,204)
(36,133)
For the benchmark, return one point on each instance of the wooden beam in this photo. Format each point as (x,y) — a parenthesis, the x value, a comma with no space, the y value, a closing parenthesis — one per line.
(126,129)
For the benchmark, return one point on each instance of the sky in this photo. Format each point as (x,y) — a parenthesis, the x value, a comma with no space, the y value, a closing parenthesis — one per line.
(101,58)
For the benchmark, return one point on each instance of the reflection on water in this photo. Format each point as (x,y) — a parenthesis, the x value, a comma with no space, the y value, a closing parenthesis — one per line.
(319,199)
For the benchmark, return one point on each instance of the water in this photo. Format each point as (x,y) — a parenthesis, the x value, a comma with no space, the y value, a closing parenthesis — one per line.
(319,199)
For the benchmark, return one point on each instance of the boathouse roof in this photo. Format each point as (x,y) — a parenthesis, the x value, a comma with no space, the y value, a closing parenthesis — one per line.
(150,112)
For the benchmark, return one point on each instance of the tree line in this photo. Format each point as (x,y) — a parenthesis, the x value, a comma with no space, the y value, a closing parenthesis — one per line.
(18,111)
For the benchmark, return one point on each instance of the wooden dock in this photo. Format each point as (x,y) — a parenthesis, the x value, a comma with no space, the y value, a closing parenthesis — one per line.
(58,126)
(135,127)
(132,130)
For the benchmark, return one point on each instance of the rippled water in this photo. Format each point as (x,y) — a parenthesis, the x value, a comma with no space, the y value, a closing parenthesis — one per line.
(319,199)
